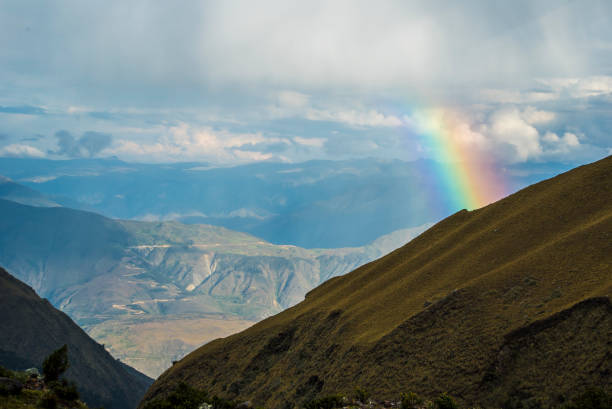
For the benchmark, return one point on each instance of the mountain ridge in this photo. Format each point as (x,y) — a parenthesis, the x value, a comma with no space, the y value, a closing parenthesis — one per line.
(431,316)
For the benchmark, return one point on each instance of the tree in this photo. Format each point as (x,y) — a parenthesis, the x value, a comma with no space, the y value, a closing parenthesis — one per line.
(56,364)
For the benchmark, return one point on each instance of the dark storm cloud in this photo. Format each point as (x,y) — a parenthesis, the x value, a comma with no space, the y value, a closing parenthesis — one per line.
(88,145)
(319,69)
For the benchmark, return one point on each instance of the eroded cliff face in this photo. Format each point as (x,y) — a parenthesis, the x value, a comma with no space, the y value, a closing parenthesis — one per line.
(152,292)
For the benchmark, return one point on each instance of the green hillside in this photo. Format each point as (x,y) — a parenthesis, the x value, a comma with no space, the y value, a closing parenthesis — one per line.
(508,303)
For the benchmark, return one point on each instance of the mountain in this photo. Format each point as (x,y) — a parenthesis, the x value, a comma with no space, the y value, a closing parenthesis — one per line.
(31,328)
(505,305)
(313,204)
(15,192)
(154,291)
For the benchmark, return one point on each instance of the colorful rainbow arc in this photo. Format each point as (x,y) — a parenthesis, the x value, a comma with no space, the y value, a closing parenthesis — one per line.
(466,178)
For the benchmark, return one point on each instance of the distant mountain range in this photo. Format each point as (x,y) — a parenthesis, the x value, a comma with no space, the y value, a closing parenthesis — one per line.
(317,204)
(153,291)
(15,192)
(505,306)
(31,328)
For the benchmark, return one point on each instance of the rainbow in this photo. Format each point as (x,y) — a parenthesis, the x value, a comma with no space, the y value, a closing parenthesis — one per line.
(460,175)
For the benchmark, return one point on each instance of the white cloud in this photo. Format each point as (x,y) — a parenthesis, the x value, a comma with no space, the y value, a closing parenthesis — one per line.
(515,129)
(570,139)
(552,89)
(355,118)
(534,116)
(292,99)
(77,110)
(581,87)
(508,134)
(550,137)
(187,142)
(561,144)
(250,156)
(247,213)
(19,150)
(507,96)
(313,142)
(348,112)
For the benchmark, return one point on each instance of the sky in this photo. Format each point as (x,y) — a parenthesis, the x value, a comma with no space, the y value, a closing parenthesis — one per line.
(231,82)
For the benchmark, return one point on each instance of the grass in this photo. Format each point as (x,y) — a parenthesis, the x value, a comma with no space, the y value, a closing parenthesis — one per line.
(30,399)
(435,315)
(26,399)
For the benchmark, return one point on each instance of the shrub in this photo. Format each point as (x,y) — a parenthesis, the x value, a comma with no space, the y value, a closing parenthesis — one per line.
(411,400)
(5,373)
(361,394)
(444,401)
(55,364)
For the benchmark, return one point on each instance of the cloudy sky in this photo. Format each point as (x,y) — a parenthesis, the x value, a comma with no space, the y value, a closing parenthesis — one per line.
(233,82)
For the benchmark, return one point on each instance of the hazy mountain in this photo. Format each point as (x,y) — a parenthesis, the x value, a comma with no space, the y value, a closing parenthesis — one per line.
(317,204)
(508,301)
(10,190)
(153,291)
(31,328)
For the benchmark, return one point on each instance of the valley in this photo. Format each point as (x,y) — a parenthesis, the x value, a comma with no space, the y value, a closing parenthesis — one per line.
(170,285)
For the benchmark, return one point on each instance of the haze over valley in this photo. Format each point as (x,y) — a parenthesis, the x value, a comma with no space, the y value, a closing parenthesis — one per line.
(154,291)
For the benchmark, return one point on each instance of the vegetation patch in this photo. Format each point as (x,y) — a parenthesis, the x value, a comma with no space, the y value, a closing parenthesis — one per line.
(29,390)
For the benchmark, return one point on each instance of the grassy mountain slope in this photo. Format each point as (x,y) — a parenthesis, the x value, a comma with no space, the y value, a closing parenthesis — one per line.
(171,285)
(508,301)
(31,328)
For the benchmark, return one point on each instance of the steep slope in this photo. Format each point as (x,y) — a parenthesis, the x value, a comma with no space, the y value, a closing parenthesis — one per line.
(31,328)
(511,301)
(153,291)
